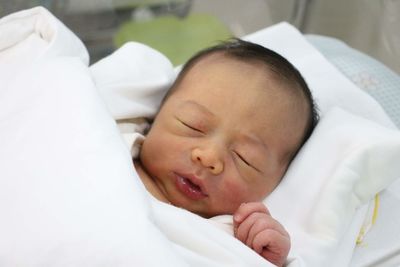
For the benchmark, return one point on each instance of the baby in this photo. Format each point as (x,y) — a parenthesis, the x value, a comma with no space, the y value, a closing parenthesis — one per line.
(224,137)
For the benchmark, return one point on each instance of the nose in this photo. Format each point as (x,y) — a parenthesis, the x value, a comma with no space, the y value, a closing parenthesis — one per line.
(209,159)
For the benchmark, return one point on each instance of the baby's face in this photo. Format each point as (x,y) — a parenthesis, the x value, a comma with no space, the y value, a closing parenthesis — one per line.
(224,137)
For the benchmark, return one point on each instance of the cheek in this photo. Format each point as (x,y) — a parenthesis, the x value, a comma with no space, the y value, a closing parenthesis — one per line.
(160,149)
(153,151)
(237,191)
(234,192)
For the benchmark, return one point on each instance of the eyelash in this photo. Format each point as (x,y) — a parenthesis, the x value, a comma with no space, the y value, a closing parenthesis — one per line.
(242,159)
(246,162)
(190,127)
(237,154)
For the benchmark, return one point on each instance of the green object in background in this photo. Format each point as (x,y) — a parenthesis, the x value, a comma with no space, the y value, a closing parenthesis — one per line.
(177,38)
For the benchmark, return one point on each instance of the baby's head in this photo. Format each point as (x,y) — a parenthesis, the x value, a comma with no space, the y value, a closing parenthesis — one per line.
(228,128)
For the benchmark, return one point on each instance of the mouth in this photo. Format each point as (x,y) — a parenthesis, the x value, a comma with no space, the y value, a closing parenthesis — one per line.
(190,186)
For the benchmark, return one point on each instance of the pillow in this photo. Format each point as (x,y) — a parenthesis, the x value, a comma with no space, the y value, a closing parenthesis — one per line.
(344,164)
(367,73)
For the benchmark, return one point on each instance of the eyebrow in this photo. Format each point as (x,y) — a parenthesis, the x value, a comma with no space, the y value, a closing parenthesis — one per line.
(202,108)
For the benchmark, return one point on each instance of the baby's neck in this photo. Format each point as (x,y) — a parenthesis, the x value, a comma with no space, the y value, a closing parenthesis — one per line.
(149,182)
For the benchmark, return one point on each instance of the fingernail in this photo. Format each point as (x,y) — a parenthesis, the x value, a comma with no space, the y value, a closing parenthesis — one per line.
(237,218)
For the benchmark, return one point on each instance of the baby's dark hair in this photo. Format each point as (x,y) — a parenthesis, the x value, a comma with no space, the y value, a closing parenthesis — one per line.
(276,64)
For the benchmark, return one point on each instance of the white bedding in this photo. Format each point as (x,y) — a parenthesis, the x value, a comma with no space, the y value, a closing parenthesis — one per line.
(70,195)
(381,247)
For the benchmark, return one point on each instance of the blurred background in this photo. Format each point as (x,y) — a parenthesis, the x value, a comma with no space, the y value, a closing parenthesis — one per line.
(178,28)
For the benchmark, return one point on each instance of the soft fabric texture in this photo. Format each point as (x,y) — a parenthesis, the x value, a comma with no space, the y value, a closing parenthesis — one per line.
(366,72)
(133,90)
(337,172)
(379,245)
(70,195)
(66,181)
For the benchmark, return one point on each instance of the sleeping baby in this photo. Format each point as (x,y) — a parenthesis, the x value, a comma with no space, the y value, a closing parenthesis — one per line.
(225,135)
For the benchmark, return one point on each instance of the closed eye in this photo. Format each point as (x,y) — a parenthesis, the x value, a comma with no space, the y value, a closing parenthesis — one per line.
(245,161)
(190,127)
(242,159)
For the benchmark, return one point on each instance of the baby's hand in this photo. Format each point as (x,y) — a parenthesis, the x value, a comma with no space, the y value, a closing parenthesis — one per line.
(254,226)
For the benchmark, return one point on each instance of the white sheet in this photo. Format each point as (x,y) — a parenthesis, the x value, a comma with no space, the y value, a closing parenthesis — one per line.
(65,170)
(381,247)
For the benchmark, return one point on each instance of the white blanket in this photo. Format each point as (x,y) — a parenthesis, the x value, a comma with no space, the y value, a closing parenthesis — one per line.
(70,195)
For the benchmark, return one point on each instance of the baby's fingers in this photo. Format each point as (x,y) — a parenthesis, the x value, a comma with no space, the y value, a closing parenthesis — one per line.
(272,246)
(245,209)
(264,222)
(243,229)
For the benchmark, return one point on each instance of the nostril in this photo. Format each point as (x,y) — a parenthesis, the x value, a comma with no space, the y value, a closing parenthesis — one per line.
(198,158)
(212,167)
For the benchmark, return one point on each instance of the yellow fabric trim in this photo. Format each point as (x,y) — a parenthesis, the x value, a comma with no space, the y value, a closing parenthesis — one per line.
(376,206)
(365,228)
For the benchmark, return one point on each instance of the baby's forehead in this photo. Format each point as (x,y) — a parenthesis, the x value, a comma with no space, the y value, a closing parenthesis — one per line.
(257,82)
(249,71)
(230,65)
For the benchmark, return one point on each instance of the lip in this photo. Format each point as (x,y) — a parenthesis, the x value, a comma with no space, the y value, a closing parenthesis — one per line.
(190,186)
